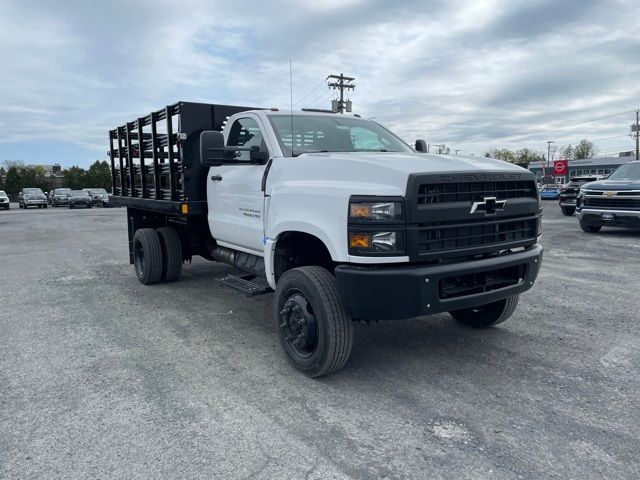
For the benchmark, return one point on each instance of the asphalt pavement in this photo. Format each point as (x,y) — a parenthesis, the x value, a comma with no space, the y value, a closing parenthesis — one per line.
(102,377)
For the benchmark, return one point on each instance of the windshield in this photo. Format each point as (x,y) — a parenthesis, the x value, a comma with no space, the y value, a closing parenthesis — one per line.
(628,171)
(79,193)
(33,191)
(62,191)
(333,133)
(99,191)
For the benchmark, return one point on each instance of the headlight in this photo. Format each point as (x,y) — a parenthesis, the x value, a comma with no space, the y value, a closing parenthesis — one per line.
(380,211)
(389,243)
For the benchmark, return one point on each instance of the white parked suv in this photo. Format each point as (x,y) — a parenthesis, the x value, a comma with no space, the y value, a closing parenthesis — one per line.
(4,200)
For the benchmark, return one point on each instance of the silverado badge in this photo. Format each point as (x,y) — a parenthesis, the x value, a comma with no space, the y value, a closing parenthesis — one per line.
(488,206)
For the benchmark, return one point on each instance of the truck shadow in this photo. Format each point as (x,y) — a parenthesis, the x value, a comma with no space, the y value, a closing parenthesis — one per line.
(427,338)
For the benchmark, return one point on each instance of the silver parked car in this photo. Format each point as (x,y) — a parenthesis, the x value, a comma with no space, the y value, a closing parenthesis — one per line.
(32,197)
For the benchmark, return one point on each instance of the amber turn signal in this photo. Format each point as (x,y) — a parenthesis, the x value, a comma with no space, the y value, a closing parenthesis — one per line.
(359,240)
(360,210)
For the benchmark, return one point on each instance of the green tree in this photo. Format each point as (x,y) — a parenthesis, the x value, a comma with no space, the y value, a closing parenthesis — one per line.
(13,181)
(567,152)
(443,149)
(20,176)
(99,175)
(585,149)
(75,178)
(525,156)
(501,154)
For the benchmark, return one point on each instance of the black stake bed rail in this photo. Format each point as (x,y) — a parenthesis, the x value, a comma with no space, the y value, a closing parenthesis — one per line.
(156,166)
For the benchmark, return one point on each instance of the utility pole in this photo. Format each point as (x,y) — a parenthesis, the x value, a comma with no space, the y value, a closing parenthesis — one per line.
(342,83)
(549,142)
(637,134)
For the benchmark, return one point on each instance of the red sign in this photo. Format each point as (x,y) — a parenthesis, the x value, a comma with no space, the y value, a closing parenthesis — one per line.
(560,167)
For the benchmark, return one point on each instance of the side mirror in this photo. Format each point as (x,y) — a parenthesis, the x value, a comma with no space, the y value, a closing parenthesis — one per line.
(421,146)
(211,148)
(258,156)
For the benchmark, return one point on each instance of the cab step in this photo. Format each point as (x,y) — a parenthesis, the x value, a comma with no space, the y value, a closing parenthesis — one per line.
(244,284)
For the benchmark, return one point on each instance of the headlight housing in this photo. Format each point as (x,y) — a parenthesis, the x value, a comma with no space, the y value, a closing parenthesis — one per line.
(376,226)
(375,211)
(376,243)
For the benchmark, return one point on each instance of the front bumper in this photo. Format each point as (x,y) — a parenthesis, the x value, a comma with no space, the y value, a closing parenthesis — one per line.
(609,218)
(568,201)
(400,292)
(35,202)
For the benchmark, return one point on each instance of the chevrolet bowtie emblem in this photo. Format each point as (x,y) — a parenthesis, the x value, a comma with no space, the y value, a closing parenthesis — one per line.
(488,206)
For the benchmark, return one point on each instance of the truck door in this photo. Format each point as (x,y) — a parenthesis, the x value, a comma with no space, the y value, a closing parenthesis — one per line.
(235,196)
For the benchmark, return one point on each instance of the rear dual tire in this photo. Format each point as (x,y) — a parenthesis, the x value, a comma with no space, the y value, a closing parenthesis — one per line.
(157,255)
(171,253)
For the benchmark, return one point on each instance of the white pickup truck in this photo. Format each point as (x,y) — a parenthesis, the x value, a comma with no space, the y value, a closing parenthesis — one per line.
(336,214)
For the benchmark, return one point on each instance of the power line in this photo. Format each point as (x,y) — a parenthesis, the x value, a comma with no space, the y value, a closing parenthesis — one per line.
(556,127)
(323,82)
(323,97)
(322,103)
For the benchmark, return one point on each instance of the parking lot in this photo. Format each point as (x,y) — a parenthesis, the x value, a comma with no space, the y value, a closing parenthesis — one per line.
(103,377)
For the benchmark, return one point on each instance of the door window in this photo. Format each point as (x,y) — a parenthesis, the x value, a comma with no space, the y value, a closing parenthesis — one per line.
(245,132)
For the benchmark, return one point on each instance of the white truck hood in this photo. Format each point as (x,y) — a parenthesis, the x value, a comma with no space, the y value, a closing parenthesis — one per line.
(379,173)
(421,163)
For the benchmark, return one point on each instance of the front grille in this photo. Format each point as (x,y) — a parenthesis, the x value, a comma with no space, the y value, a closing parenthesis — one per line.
(430,193)
(612,202)
(446,236)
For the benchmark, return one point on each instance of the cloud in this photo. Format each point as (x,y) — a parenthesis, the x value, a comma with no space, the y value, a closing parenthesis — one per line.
(466,73)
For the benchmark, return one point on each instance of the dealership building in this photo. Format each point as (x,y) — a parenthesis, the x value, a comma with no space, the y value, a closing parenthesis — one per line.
(585,166)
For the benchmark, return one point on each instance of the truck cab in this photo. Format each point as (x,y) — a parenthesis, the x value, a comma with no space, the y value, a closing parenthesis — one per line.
(340,217)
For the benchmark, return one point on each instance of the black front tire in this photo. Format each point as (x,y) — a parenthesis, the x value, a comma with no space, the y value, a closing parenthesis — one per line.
(487,315)
(314,329)
(590,228)
(568,211)
(171,253)
(147,256)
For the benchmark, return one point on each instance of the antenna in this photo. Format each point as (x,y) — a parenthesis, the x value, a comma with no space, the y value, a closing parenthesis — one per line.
(291,99)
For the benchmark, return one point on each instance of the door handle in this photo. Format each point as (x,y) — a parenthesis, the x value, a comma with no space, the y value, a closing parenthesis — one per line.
(216,178)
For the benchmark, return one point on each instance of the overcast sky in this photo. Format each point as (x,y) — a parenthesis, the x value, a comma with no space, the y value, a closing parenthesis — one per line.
(465,73)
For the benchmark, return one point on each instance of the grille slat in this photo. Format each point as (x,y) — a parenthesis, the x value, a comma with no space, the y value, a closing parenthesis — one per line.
(612,202)
(431,193)
(439,237)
